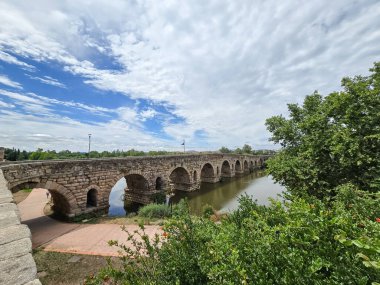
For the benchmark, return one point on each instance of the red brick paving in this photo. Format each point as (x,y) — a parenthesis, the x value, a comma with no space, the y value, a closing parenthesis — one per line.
(53,235)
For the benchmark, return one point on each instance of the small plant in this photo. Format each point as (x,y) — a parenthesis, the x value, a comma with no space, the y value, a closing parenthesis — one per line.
(154,211)
(207,211)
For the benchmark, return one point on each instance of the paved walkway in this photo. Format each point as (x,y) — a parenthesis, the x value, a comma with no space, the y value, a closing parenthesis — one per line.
(53,235)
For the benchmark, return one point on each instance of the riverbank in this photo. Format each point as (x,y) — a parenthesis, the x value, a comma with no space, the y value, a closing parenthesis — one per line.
(55,268)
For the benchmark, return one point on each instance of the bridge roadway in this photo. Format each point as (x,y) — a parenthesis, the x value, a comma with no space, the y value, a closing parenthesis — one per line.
(82,186)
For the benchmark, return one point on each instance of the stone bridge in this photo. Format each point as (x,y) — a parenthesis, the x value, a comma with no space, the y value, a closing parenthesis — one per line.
(82,186)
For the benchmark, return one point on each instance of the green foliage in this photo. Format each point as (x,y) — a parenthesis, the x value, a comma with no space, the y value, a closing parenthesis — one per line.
(207,211)
(154,211)
(159,198)
(40,154)
(247,149)
(223,149)
(330,141)
(302,242)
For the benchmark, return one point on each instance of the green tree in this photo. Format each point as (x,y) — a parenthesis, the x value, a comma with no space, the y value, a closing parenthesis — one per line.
(247,149)
(330,141)
(224,149)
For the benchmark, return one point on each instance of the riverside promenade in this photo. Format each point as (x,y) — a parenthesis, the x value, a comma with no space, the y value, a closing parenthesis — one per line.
(53,235)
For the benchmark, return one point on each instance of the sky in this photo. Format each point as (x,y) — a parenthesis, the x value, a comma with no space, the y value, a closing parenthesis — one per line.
(149,74)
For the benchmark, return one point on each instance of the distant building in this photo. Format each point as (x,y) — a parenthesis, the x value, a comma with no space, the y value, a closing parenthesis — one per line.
(1,154)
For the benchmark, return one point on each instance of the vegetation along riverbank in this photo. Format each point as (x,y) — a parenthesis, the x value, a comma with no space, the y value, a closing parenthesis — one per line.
(327,231)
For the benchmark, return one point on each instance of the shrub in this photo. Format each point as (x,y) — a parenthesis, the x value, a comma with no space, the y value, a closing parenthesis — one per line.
(159,198)
(154,211)
(303,242)
(207,211)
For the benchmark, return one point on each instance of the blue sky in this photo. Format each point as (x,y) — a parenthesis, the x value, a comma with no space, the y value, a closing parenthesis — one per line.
(148,74)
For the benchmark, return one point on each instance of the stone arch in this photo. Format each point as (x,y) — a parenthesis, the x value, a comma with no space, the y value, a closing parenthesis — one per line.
(246,167)
(207,173)
(64,201)
(237,166)
(226,169)
(180,179)
(137,183)
(32,183)
(92,198)
(195,176)
(159,183)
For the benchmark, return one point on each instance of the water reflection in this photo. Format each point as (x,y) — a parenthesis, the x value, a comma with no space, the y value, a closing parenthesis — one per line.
(222,196)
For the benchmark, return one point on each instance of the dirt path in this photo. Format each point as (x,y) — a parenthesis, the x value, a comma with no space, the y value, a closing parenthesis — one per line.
(68,237)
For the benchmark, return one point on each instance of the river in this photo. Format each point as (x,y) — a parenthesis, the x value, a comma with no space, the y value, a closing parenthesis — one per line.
(223,196)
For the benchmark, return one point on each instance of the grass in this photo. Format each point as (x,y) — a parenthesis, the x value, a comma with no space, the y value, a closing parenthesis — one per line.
(56,268)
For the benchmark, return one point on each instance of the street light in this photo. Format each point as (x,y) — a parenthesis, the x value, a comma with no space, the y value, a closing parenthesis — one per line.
(184,149)
(89,145)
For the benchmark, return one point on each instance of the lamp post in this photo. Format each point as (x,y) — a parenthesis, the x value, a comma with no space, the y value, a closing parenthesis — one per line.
(184,149)
(89,145)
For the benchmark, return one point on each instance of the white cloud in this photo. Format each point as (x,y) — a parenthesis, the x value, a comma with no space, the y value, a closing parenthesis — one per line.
(6,105)
(64,133)
(222,66)
(21,98)
(48,80)
(8,82)
(13,60)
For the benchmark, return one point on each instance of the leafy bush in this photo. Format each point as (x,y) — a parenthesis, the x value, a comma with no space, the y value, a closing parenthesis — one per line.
(302,242)
(207,211)
(159,198)
(154,211)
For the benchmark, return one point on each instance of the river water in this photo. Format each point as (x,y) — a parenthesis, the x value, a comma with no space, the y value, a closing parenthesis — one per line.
(222,196)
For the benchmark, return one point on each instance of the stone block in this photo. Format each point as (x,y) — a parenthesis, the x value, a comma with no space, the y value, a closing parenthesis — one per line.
(13,233)
(7,207)
(18,271)
(9,219)
(34,282)
(15,248)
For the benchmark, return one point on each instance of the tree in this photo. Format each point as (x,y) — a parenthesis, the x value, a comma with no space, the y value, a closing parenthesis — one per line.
(247,149)
(330,141)
(223,149)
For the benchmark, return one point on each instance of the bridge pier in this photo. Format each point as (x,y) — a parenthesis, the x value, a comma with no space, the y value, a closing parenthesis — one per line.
(210,179)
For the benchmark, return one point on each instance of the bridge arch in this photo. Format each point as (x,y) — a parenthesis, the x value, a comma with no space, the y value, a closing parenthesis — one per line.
(237,166)
(226,169)
(208,173)
(246,167)
(64,202)
(159,183)
(195,176)
(137,183)
(92,198)
(180,179)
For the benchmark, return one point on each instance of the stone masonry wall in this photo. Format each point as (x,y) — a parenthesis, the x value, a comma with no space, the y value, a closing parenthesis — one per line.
(17,266)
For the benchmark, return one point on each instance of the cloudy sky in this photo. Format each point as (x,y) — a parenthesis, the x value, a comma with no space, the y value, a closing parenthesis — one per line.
(148,74)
